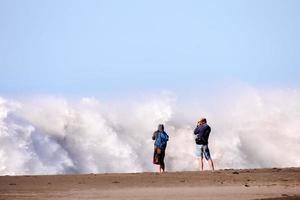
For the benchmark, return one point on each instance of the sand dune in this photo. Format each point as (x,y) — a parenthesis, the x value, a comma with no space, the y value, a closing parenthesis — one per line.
(272,183)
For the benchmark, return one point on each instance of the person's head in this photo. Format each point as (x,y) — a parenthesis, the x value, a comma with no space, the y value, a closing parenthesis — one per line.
(161,127)
(202,121)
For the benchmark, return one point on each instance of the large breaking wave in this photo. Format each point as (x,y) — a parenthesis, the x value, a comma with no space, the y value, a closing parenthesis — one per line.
(55,135)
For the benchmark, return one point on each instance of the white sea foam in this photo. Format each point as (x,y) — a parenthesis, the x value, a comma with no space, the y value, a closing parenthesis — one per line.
(51,135)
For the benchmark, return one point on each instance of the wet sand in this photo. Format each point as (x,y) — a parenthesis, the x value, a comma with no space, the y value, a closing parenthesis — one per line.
(275,184)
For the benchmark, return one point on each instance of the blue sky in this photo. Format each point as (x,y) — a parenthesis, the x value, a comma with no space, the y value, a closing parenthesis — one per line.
(95,47)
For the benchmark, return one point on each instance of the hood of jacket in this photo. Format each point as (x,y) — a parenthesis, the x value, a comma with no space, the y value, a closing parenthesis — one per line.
(161,127)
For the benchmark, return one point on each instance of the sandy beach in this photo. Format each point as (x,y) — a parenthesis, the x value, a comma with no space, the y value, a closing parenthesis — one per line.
(275,183)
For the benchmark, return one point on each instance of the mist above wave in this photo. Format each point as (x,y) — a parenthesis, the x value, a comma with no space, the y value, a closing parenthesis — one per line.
(50,135)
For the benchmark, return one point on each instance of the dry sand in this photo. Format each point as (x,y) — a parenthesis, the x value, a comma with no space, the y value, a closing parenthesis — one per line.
(222,184)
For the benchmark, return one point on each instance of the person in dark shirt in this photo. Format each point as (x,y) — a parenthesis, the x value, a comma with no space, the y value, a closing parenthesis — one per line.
(201,134)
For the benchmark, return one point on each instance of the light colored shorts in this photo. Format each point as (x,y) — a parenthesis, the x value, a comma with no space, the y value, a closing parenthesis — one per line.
(202,149)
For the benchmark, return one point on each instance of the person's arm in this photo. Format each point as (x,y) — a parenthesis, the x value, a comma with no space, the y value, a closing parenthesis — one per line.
(207,132)
(166,136)
(196,130)
(154,135)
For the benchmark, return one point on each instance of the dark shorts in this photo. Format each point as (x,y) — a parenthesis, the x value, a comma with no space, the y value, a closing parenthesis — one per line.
(202,149)
(158,156)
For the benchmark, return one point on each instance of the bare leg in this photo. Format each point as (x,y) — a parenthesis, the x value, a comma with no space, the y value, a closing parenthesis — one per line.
(159,169)
(200,160)
(211,164)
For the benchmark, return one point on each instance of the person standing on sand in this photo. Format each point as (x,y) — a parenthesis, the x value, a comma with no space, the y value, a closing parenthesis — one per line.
(161,138)
(201,134)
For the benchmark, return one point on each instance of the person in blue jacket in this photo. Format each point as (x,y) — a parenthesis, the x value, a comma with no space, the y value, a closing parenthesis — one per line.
(201,134)
(161,138)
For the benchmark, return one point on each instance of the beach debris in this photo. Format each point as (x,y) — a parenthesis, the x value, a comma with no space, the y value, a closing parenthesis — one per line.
(115,182)
(235,172)
(282,179)
(276,169)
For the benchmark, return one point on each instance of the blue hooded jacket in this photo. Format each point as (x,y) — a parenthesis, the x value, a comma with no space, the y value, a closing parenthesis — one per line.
(161,138)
